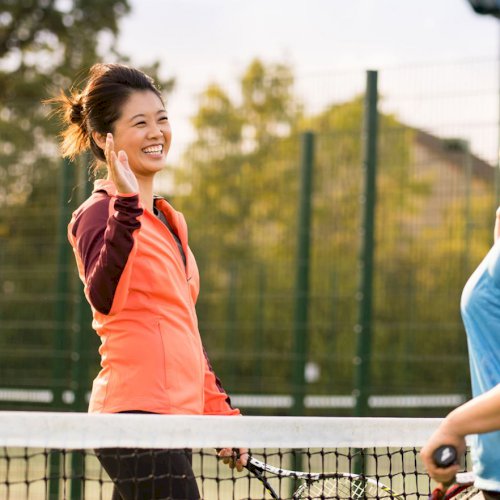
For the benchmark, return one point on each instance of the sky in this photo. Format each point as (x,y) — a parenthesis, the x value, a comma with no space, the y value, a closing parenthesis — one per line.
(203,41)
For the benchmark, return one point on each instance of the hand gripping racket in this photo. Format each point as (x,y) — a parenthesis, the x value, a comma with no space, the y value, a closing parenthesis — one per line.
(322,485)
(462,485)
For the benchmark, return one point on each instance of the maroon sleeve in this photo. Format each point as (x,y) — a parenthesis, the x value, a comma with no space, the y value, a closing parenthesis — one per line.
(104,244)
(217,402)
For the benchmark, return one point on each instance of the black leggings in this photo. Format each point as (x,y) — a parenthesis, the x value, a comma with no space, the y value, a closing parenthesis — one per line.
(149,474)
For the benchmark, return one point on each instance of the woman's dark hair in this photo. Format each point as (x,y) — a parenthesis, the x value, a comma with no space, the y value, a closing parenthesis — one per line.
(97,107)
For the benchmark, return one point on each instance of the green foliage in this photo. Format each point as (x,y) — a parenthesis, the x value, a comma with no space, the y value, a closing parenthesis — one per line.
(239,180)
(238,186)
(45,46)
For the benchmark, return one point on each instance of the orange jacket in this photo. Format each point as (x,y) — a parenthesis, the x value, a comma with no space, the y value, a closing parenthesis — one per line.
(143,303)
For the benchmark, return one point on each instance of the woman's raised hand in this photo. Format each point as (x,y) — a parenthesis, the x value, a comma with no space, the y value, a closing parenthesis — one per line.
(119,169)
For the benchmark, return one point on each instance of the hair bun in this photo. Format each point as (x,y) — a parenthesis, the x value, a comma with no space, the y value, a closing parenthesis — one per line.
(76,113)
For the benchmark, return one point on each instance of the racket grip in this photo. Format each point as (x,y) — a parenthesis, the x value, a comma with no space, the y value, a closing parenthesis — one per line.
(445,455)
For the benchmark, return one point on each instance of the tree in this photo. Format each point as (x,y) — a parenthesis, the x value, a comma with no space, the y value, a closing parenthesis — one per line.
(45,46)
(238,187)
(232,174)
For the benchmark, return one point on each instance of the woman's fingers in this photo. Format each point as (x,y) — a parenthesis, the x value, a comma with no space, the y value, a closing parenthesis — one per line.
(235,459)
(119,168)
(114,167)
(226,454)
(123,159)
(242,458)
(111,158)
(109,149)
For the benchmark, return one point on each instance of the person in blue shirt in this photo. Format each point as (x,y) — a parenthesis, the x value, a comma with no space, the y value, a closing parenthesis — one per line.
(480,308)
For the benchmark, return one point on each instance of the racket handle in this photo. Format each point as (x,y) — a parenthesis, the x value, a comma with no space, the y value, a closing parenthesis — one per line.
(445,455)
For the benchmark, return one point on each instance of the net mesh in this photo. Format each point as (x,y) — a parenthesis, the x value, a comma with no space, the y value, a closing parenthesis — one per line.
(74,456)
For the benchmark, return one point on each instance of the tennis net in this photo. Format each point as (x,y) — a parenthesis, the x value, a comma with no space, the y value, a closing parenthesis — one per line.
(60,455)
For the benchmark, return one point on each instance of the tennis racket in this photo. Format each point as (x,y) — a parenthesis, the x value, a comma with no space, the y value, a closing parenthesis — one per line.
(462,485)
(322,485)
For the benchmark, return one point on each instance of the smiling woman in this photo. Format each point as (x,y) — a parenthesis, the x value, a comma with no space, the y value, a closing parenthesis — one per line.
(140,278)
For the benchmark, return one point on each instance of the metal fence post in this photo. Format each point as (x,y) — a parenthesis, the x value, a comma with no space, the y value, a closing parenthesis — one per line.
(80,359)
(61,312)
(363,328)
(302,274)
(302,283)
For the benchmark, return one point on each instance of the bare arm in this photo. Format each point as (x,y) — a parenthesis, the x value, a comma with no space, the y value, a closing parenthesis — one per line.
(477,416)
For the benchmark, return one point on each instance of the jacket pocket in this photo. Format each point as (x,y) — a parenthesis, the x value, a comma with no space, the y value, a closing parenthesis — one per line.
(183,370)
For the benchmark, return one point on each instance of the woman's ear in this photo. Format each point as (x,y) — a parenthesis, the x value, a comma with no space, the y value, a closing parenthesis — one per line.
(99,139)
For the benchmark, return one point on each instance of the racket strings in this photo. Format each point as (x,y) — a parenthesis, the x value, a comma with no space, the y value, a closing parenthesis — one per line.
(341,488)
(470,493)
